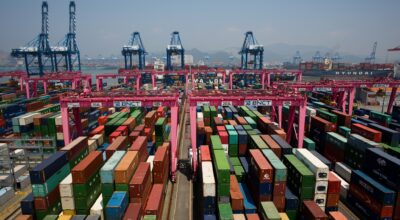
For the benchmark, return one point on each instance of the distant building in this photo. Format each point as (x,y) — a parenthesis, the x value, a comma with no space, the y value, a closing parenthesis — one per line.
(188,59)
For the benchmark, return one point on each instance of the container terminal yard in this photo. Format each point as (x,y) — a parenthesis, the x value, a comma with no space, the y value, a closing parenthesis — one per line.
(176,141)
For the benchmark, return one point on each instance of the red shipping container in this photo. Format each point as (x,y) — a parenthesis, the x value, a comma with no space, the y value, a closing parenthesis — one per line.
(133,135)
(336,216)
(123,129)
(333,184)
(133,212)
(332,200)
(221,128)
(120,143)
(241,121)
(396,208)
(322,124)
(205,153)
(218,121)
(74,148)
(208,130)
(200,127)
(279,189)
(98,130)
(140,145)
(343,119)
(150,119)
(140,184)
(261,166)
(102,120)
(262,124)
(130,123)
(310,210)
(279,202)
(367,132)
(242,149)
(114,136)
(139,128)
(161,165)
(223,135)
(232,122)
(333,154)
(369,201)
(253,216)
(87,167)
(235,194)
(43,203)
(154,205)
(272,145)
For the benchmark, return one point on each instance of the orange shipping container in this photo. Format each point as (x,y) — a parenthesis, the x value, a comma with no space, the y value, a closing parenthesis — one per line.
(236,195)
(126,167)
(367,132)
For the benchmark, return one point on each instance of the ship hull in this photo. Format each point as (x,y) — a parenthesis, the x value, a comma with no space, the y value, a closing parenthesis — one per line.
(363,73)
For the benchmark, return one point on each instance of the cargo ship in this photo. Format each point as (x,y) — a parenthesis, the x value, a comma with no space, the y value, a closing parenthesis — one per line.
(327,68)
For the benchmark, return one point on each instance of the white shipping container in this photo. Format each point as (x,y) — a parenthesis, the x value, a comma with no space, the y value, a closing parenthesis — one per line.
(344,186)
(239,217)
(320,169)
(60,136)
(220,116)
(99,138)
(111,110)
(19,170)
(92,145)
(66,187)
(321,186)
(225,147)
(23,181)
(58,120)
(320,199)
(208,179)
(150,160)
(67,203)
(6,194)
(97,208)
(343,171)
(200,116)
(27,119)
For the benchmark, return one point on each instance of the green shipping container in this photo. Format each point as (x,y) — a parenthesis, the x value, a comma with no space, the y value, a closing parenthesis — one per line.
(225,211)
(235,161)
(255,142)
(327,116)
(233,137)
(269,211)
(308,143)
(221,166)
(280,170)
(41,190)
(122,187)
(107,189)
(251,122)
(150,217)
(54,210)
(87,201)
(83,190)
(216,142)
(239,172)
(344,131)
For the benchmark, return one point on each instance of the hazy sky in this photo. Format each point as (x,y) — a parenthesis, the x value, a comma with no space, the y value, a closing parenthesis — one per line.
(104,26)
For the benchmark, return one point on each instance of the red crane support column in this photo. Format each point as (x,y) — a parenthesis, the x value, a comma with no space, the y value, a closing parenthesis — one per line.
(230,80)
(268,79)
(192,76)
(174,140)
(391,100)
(99,84)
(299,77)
(272,114)
(342,101)
(65,125)
(224,78)
(351,100)
(126,80)
(193,136)
(302,118)
(263,81)
(74,84)
(45,86)
(21,84)
(138,82)
(292,113)
(153,80)
(187,83)
(34,88)
(280,116)
(78,123)
(27,88)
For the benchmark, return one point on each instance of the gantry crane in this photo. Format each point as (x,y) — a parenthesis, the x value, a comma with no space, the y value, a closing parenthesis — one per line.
(297,58)
(317,58)
(175,48)
(336,58)
(68,49)
(371,57)
(135,47)
(37,53)
(251,47)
